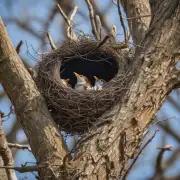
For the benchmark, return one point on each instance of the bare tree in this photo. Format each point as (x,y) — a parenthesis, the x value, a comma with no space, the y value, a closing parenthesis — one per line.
(105,155)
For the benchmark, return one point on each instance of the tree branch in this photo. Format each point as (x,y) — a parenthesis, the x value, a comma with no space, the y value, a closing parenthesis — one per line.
(92,18)
(154,76)
(19,146)
(122,21)
(30,108)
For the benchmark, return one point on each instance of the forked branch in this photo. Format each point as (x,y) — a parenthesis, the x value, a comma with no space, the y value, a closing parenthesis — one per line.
(69,21)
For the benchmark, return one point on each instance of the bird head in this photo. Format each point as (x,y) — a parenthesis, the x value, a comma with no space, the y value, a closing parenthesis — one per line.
(65,81)
(81,78)
(99,82)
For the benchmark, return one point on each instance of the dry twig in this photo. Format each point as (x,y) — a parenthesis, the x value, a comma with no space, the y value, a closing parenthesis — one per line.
(19,146)
(19,46)
(53,46)
(23,169)
(70,34)
(92,18)
(122,21)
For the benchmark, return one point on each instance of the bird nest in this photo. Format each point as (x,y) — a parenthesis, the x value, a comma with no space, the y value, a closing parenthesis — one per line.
(78,112)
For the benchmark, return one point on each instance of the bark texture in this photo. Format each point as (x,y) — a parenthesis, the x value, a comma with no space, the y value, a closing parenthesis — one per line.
(3,175)
(43,136)
(107,154)
(136,11)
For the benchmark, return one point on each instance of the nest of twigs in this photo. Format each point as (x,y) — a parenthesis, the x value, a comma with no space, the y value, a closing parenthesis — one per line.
(77,112)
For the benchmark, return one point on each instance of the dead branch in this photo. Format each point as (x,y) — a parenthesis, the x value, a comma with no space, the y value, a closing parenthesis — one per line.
(23,169)
(70,34)
(122,21)
(19,146)
(51,42)
(69,29)
(102,15)
(19,46)
(6,155)
(92,19)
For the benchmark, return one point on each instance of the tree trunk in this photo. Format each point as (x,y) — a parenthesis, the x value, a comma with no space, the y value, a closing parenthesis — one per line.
(138,13)
(43,136)
(106,154)
(3,175)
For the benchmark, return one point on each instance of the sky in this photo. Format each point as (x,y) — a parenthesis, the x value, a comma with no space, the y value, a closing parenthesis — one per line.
(33,8)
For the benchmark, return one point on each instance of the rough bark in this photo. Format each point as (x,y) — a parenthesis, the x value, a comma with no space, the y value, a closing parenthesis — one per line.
(43,136)
(136,11)
(106,155)
(154,5)
(3,175)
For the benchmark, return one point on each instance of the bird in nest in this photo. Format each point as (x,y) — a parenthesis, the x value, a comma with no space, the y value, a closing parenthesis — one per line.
(66,82)
(99,83)
(82,83)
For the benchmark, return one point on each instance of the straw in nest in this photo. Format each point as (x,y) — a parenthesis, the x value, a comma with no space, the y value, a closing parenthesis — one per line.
(73,111)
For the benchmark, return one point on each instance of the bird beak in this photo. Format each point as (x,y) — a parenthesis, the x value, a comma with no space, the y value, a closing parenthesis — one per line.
(96,78)
(76,74)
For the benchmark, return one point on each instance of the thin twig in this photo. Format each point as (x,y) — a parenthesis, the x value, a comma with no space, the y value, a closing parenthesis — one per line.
(19,46)
(10,112)
(23,169)
(92,18)
(137,156)
(53,46)
(136,17)
(122,21)
(19,146)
